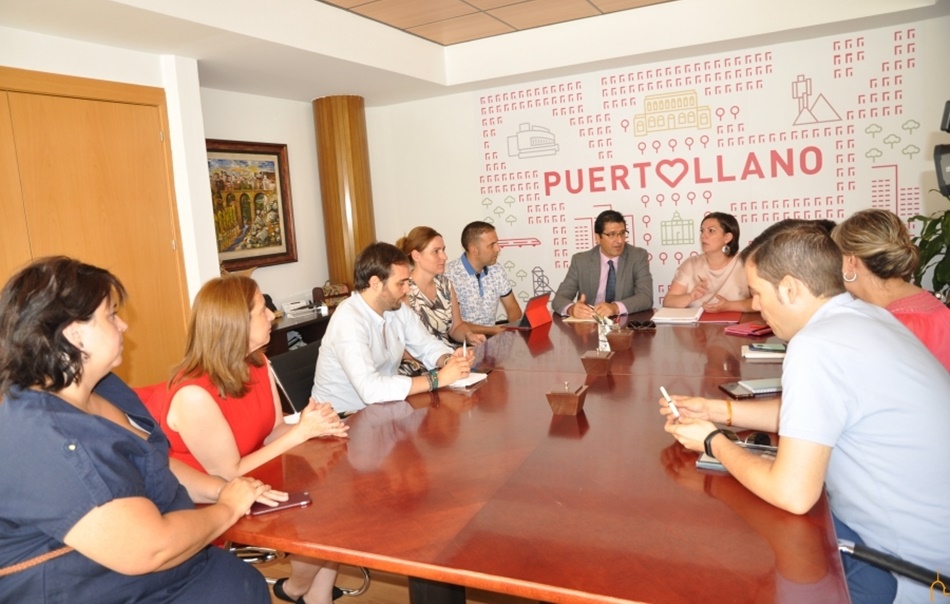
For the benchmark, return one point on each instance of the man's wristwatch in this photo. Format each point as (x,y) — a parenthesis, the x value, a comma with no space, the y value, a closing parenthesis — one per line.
(707,444)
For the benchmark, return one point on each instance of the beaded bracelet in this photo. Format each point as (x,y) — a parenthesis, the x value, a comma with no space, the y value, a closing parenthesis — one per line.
(433,380)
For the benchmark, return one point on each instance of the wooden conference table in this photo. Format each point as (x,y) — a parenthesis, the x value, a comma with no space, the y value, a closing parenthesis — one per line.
(488,489)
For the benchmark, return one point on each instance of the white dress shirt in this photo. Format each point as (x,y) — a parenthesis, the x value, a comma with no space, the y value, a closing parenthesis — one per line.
(361,351)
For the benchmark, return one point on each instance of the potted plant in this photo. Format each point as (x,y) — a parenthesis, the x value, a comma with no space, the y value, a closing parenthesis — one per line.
(934,245)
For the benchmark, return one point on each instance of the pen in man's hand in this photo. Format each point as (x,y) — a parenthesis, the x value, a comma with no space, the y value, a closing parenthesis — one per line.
(597,318)
(670,403)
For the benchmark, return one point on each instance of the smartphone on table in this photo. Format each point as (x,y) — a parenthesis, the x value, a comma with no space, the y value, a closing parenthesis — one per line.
(767,346)
(294,500)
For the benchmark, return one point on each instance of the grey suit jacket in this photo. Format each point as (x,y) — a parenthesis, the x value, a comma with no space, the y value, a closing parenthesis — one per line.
(634,281)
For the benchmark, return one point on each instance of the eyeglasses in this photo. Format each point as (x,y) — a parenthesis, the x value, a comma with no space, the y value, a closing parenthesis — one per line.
(641,325)
(621,234)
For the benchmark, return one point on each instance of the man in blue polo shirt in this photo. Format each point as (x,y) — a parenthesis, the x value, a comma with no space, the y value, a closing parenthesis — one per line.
(480,282)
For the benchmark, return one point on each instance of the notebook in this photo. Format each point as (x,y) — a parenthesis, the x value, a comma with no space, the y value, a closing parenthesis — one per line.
(752,329)
(467,382)
(677,315)
(724,318)
(536,313)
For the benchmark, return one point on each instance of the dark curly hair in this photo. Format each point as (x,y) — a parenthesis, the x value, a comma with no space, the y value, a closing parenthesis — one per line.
(36,305)
(376,260)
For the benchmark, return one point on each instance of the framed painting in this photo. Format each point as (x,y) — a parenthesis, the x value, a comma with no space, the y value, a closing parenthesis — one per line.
(250,196)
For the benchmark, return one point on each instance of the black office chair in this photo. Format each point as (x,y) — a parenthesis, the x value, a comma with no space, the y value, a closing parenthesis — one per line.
(892,564)
(293,371)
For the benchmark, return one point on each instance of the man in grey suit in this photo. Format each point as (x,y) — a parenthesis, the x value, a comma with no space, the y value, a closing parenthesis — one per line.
(613,278)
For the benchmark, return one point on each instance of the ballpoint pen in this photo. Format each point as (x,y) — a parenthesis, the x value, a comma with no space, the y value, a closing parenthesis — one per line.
(598,318)
(670,403)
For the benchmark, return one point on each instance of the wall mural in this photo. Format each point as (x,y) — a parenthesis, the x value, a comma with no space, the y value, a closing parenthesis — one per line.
(811,129)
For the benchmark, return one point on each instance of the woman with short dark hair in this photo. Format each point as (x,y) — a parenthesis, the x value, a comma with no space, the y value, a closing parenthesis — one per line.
(92,510)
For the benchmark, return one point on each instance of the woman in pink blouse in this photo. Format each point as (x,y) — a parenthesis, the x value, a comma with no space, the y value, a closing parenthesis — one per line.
(879,261)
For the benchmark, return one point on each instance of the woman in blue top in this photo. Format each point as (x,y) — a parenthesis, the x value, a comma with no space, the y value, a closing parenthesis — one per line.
(92,511)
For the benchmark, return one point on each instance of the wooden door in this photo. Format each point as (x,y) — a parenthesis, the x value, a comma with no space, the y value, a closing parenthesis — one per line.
(96,185)
(14,242)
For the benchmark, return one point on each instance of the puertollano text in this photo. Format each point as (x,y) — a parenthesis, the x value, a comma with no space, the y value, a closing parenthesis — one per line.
(695,170)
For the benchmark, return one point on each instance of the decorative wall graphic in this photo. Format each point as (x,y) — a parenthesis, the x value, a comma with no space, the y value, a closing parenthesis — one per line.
(671,111)
(811,129)
(678,231)
(532,141)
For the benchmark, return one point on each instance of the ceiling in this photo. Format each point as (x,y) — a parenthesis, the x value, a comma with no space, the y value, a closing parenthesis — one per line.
(449,22)
(395,51)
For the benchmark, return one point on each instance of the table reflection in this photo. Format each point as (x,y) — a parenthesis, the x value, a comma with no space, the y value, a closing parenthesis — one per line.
(382,441)
(800,544)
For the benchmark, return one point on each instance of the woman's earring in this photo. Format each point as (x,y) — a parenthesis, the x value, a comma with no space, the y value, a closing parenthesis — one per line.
(725,250)
(852,278)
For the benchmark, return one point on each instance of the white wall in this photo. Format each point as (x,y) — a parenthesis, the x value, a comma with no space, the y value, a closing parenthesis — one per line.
(28,50)
(426,159)
(423,158)
(424,155)
(244,117)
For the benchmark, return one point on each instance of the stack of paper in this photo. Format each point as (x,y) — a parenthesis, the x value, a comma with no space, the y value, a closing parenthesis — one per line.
(677,315)
(467,382)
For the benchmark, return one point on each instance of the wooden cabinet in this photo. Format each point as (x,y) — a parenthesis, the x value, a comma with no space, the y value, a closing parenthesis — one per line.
(14,240)
(87,171)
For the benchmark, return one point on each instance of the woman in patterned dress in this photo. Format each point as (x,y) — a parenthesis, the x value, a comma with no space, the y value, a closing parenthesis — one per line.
(431,294)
